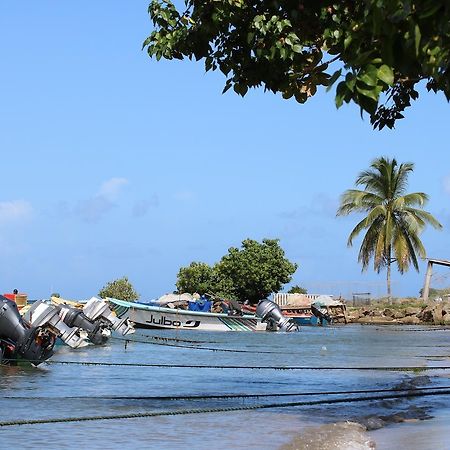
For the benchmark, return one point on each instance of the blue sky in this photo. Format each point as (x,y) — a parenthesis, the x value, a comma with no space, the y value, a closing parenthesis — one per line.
(115,164)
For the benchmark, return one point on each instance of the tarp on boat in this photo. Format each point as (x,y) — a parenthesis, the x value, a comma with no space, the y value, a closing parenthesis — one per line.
(172,298)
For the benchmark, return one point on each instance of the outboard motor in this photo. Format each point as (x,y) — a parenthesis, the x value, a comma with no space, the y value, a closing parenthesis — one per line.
(97,319)
(98,309)
(17,338)
(42,313)
(270,313)
(97,333)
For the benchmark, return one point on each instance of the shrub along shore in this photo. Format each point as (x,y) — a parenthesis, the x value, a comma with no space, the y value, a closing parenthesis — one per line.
(402,311)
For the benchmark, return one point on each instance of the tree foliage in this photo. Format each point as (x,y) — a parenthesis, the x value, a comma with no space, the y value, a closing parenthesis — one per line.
(120,289)
(297,290)
(197,277)
(376,51)
(251,272)
(394,220)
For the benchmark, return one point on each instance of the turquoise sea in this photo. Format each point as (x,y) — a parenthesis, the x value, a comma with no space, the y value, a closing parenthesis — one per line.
(127,376)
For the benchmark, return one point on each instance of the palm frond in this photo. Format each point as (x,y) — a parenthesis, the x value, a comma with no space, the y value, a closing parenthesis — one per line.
(380,255)
(400,178)
(368,245)
(359,227)
(354,200)
(389,226)
(426,217)
(415,199)
(375,213)
(401,251)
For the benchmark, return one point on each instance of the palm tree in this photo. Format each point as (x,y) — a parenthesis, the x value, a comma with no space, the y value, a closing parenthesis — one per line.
(394,218)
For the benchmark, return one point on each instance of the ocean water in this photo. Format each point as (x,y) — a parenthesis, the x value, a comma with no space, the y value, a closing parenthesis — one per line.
(71,390)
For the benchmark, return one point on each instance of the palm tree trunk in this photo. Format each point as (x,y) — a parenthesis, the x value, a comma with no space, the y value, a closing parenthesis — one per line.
(388,280)
(388,274)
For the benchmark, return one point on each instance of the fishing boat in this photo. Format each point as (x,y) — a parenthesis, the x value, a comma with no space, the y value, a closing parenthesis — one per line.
(153,316)
(310,309)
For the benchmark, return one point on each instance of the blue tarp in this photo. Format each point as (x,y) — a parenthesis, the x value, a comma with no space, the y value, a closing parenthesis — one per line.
(202,305)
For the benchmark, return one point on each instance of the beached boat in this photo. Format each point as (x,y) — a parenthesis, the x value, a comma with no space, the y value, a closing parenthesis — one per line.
(151,316)
(306,309)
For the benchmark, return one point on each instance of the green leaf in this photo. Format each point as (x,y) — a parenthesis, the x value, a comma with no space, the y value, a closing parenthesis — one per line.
(333,78)
(369,77)
(341,91)
(348,41)
(417,38)
(370,93)
(350,81)
(227,86)
(386,74)
(146,42)
(297,48)
(240,89)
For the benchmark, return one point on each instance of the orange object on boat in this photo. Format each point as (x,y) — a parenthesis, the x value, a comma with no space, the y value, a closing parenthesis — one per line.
(21,300)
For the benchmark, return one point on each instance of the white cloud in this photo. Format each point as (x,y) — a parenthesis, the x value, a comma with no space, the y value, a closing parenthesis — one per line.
(14,211)
(111,189)
(141,208)
(95,208)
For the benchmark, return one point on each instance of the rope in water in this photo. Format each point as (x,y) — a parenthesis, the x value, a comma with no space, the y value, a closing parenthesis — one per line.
(214,349)
(214,410)
(164,338)
(214,366)
(229,396)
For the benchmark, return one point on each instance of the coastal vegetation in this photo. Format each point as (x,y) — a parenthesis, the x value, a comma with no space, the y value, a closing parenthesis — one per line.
(296,289)
(250,273)
(120,289)
(376,53)
(394,220)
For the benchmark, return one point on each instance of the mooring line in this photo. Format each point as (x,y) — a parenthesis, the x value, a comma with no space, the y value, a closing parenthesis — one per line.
(214,349)
(227,396)
(214,366)
(216,410)
(163,338)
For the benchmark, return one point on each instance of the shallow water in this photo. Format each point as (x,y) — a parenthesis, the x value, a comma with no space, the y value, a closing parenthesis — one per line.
(35,393)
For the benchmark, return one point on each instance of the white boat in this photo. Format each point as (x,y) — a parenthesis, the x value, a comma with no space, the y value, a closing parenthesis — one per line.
(149,316)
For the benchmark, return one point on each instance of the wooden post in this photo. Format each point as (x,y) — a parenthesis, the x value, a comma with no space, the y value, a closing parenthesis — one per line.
(426,287)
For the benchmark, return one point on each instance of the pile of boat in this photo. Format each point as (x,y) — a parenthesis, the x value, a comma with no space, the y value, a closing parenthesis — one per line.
(30,331)
(209,313)
(195,314)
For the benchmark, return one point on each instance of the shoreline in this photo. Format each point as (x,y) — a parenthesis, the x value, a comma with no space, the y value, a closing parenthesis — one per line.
(402,312)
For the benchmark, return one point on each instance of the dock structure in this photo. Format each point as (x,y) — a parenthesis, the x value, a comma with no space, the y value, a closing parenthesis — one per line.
(429,273)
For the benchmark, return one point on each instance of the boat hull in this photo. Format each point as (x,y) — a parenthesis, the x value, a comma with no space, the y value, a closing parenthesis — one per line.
(146,316)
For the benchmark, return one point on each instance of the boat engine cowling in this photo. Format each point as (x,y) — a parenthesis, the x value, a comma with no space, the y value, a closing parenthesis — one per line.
(42,313)
(96,318)
(97,308)
(97,332)
(270,313)
(17,338)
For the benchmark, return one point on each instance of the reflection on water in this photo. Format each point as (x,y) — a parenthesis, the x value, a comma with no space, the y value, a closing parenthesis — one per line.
(51,391)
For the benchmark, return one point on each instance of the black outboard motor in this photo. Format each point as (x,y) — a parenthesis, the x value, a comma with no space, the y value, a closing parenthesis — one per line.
(270,313)
(17,338)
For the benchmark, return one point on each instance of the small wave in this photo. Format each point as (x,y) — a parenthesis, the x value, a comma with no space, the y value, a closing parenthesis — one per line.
(334,436)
